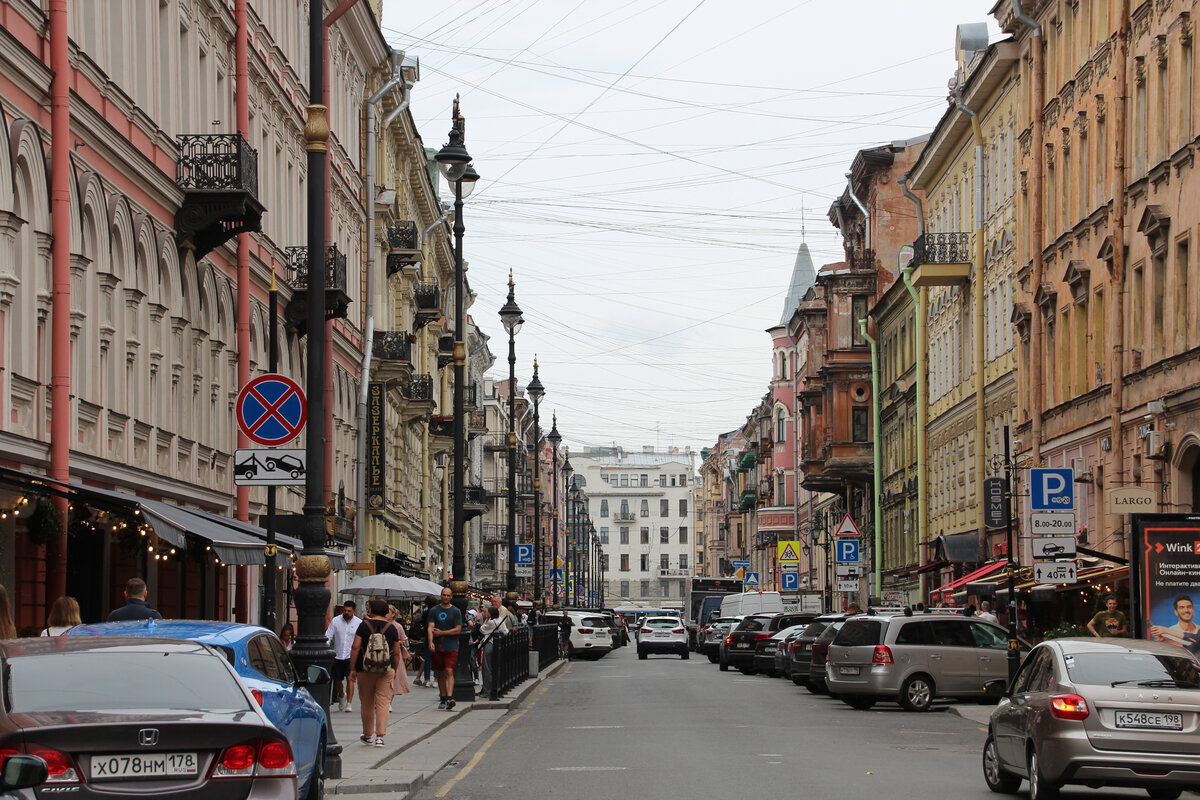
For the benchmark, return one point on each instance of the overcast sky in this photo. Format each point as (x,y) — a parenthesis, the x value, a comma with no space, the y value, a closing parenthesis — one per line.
(648,171)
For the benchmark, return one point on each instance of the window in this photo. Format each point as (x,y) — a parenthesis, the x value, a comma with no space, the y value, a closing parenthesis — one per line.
(662,480)
(683,512)
(645,536)
(604,508)
(624,480)
(664,507)
(624,588)
(644,587)
(858,310)
(604,536)
(604,478)
(1181,294)
(624,535)
(645,508)
(858,432)
(624,508)
(645,480)
(683,561)
(664,535)
(645,562)
(683,534)
(664,561)
(624,562)
(672,480)
(683,480)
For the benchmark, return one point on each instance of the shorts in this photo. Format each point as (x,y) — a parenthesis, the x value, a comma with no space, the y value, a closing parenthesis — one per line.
(445,660)
(341,669)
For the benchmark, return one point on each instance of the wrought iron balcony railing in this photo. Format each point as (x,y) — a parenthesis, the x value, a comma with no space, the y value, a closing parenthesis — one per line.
(942,248)
(215,162)
(392,346)
(427,297)
(404,246)
(337,302)
(445,351)
(624,517)
(419,389)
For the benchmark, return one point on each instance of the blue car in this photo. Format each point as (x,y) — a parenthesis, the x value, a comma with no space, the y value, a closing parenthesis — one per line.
(263,664)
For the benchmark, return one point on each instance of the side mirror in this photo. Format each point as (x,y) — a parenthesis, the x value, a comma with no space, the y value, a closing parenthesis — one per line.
(316,676)
(22,772)
(995,688)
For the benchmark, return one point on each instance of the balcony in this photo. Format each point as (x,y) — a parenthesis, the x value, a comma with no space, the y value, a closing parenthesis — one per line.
(393,350)
(475,502)
(494,533)
(624,518)
(677,574)
(941,259)
(404,247)
(445,351)
(427,298)
(476,424)
(336,300)
(471,397)
(218,174)
(417,392)
(496,442)
(442,426)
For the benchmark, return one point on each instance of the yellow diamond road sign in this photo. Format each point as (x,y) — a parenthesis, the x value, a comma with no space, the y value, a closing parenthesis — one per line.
(789,552)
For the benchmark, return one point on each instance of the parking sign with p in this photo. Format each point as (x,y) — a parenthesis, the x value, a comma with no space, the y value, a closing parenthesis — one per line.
(1052,489)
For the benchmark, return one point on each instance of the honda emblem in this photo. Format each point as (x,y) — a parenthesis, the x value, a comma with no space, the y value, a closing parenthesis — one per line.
(148,737)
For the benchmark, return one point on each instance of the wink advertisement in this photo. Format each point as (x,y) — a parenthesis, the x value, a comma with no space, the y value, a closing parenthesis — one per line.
(1165,571)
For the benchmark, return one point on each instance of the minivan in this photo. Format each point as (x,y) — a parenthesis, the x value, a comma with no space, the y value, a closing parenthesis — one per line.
(740,605)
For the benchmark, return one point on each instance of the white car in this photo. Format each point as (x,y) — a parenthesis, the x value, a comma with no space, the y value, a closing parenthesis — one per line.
(662,635)
(591,634)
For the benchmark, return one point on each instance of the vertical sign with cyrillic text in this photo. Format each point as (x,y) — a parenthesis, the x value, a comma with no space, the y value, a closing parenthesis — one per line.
(375,445)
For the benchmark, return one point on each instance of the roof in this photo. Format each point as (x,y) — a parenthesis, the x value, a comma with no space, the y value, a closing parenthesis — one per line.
(48,645)
(209,632)
(803,277)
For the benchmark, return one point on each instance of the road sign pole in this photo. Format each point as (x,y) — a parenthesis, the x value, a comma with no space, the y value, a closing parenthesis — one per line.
(1014,652)
(269,617)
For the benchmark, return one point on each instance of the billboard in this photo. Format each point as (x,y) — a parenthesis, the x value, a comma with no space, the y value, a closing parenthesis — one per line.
(1165,577)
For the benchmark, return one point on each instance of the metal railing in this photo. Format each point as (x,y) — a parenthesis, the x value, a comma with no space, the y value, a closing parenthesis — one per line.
(426,297)
(402,235)
(509,661)
(217,161)
(420,388)
(392,346)
(335,268)
(624,516)
(942,248)
(494,533)
(544,640)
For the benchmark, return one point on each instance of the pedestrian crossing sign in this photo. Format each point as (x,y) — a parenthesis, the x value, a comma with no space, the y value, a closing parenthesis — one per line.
(789,552)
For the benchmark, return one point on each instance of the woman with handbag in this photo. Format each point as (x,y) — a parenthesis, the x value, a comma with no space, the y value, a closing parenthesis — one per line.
(400,684)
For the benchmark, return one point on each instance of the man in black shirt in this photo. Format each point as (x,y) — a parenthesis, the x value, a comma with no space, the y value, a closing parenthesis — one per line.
(135,606)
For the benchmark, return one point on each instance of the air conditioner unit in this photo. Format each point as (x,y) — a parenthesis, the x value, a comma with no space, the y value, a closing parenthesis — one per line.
(1080,467)
(1156,445)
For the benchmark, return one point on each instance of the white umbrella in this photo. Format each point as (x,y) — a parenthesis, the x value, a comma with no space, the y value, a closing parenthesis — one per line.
(431,589)
(386,584)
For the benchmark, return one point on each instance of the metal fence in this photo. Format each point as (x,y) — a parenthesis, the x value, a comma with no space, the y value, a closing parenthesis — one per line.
(545,642)
(510,661)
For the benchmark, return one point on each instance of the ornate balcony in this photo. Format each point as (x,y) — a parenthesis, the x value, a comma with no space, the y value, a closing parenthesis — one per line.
(445,351)
(427,297)
(476,424)
(941,259)
(470,397)
(404,247)
(336,300)
(442,426)
(219,176)
(417,392)
(393,351)
(475,502)
(624,517)
(494,533)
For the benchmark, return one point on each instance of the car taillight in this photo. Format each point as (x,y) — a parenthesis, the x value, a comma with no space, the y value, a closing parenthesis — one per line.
(275,759)
(647,630)
(258,696)
(586,630)
(1068,706)
(760,636)
(677,630)
(265,758)
(882,655)
(728,640)
(59,765)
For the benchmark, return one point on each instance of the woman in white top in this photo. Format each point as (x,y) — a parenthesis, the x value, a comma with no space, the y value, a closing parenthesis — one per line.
(64,615)
(493,627)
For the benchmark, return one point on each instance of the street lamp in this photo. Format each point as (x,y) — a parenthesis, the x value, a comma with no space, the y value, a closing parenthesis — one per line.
(568,481)
(510,316)
(536,392)
(555,439)
(819,536)
(455,164)
(572,544)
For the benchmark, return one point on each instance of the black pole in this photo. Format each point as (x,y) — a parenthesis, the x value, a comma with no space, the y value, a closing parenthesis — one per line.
(537,497)
(269,616)
(554,438)
(510,582)
(312,596)
(1014,646)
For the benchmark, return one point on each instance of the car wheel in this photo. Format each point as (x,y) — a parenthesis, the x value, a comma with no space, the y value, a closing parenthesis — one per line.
(998,779)
(316,783)
(815,686)
(1039,787)
(724,665)
(917,693)
(858,701)
(641,654)
(796,679)
(1164,794)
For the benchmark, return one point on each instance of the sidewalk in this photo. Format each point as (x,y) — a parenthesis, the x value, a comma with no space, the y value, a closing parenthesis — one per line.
(421,740)
(968,711)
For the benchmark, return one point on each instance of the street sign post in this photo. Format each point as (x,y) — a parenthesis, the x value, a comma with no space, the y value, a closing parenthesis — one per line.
(1055,572)
(1054,547)
(1052,524)
(739,569)
(1052,489)
(269,467)
(271,410)
(847,551)
(993,503)
(847,570)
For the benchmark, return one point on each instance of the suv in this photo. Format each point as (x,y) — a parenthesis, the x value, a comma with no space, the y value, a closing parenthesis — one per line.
(914,659)
(743,642)
(715,633)
(590,632)
(663,635)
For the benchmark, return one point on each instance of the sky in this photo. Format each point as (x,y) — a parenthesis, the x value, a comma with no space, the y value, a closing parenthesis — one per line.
(648,172)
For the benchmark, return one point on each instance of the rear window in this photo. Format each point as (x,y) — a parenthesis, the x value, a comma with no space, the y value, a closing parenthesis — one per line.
(594,622)
(792,619)
(815,628)
(1133,669)
(662,622)
(830,632)
(192,681)
(860,632)
(753,624)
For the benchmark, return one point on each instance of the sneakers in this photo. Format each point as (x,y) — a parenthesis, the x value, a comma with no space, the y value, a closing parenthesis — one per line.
(347,708)
(379,741)
(450,704)
(367,740)
(443,703)
(342,704)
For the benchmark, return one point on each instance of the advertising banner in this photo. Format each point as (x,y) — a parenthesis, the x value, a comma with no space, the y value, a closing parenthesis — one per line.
(375,483)
(1165,577)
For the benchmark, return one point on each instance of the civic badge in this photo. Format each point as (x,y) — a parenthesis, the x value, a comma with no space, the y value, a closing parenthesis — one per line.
(148,737)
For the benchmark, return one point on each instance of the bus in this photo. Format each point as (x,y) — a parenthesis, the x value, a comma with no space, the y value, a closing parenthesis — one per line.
(702,599)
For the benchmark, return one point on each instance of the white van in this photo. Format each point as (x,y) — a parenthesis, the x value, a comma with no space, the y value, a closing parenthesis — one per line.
(739,605)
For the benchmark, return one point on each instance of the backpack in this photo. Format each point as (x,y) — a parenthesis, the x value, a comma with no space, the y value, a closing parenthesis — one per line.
(378,657)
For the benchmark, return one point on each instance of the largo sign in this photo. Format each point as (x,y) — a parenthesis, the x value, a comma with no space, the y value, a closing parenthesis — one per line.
(1131,500)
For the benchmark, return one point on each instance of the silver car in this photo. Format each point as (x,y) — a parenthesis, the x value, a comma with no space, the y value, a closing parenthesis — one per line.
(914,659)
(1099,712)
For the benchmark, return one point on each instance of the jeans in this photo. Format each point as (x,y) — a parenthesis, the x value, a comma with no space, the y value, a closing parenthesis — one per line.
(486,689)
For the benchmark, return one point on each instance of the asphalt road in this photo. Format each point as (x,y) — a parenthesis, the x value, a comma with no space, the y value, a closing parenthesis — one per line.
(666,728)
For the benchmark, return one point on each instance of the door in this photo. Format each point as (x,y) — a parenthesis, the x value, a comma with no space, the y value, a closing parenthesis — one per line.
(278,694)
(1011,721)
(952,659)
(991,645)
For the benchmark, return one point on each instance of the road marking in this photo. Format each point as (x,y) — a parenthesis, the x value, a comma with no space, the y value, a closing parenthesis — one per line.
(586,769)
(450,784)
(770,755)
(594,727)
(614,676)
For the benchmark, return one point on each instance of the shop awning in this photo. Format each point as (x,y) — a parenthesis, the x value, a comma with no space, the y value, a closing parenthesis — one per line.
(942,592)
(286,542)
(958,548)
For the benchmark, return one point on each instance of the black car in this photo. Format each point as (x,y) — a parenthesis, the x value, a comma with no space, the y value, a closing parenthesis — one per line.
(753,629)
(800,652)
(764,647)
(116,716)
(819,654)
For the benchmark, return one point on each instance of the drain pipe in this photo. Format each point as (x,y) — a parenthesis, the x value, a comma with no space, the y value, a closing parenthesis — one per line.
(866,214)
(369,328)
(877,447)
(1115,474)
(977,326)
(919,299)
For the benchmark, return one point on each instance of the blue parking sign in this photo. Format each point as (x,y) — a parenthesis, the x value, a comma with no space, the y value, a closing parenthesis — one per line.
(1052,489)
(847,551)
(524,554)
(789,581)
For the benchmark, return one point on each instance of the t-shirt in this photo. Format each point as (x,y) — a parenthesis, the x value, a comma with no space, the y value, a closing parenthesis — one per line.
(445,619)
(1109,622)
(364,632)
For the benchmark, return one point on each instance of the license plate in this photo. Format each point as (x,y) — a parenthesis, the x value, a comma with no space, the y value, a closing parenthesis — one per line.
(1152,720)
(662,635)
(144,765)
(848,670)
(741,644)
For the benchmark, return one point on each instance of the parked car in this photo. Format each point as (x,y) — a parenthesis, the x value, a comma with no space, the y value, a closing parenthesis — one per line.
(117,716)
(799,651)
(766,654)
(783,653)
(663,635)
(744,639)
(590,637)
(914,660)
(264,666)
(819,653)
(718,629)
(1116,712)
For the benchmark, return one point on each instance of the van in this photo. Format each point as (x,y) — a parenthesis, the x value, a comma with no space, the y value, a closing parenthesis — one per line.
(739,605)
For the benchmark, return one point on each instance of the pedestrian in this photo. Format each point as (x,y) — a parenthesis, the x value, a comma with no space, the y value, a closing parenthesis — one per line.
(287,636)
(493,627)
(505,613)
(427,666)
(1113,623)
(969,611)
(985,613)
(64,615)
(374,660)
(564,635)
(416,644)
(135,606)
(444,626)
(8,630)
(853,609)
(400,684)
(340,634)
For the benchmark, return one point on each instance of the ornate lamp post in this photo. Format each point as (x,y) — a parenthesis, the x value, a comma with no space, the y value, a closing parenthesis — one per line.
(567,472)
(555,438)
(510,316)
(455,164)
(536,392)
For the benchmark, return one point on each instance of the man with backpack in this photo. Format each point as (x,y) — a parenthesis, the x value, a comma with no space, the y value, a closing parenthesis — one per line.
(374,659)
